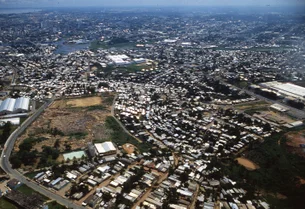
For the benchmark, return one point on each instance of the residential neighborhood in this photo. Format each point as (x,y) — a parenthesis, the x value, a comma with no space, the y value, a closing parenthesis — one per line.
(152,109)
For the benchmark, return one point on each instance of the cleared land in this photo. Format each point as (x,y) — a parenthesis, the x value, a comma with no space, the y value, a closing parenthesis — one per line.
(129,148)
(294,140)
(85,102)
(248,164)
(6,204)
(274,117)
(252,105)
(70,124)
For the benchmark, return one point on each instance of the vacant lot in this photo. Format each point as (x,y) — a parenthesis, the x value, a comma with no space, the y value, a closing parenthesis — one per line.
(6,204)
(274,117)
(248,164)
(79,102)
(129,148)
(252,105)
(85,102)
(70,124)
(294,140)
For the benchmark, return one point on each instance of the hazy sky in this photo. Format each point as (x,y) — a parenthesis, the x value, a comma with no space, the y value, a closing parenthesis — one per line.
(64,3)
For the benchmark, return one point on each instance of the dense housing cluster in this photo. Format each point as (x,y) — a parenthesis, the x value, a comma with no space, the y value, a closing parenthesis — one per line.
(183,84)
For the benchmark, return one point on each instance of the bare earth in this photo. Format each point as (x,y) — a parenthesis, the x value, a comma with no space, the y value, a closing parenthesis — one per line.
(129,148)
(275,117)
(248,164)
(85,102)
(294,139)
(71,117)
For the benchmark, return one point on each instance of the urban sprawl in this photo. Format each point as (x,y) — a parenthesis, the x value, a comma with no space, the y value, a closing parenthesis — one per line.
(149,108)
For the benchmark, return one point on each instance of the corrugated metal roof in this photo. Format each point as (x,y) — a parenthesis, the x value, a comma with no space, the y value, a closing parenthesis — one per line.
(8,105)
(104,147)
(22,103)
(11,105)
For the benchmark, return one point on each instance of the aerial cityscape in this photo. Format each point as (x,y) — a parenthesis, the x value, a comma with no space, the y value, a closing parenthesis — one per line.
(152,107)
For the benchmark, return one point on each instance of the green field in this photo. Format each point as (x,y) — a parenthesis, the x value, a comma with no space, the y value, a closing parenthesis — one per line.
(120,137)
(95,45)
(4,204)
(28,191)
(31,175)
(55,205)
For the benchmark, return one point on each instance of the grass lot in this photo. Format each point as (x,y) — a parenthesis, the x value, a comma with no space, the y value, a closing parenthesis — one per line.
(255,110)
(22,120)
(84,102)
(96,107)
(78,135)
(55,205)
(4,204)
(26,190)
(252,105)
(120,137)
(79,102)
(31,175)
(95,45)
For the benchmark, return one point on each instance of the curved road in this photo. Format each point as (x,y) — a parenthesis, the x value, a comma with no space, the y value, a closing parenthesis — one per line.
(7,167)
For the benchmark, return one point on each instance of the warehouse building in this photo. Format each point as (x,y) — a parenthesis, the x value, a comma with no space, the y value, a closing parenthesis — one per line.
(21,105)
(120,59)
(7,106)
(105,148)
(10,105)
(286,89)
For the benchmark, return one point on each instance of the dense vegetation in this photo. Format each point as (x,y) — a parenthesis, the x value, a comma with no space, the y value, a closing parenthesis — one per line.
(5,132)
(28,156)
(55,205)
(279,173)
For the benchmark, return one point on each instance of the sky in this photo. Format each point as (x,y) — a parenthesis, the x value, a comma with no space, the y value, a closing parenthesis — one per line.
(78,3)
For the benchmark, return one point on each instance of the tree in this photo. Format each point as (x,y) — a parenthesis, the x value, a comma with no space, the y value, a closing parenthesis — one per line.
(16,162)
(267,127)
(56,144)
(6,132)
(184,176)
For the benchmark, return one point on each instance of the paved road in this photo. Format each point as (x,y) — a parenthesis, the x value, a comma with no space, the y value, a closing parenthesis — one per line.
(7,167)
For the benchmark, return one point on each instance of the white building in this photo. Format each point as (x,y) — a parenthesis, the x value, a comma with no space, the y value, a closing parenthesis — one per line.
(21,104)
(105,148)
(18,105)
(287,89)
(7,106)
(120,60)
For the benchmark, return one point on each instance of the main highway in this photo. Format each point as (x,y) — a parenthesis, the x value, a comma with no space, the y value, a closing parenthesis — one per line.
(7,167)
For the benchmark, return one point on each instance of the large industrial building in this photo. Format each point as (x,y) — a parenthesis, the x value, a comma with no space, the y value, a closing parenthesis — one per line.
(120,59)
(10,105)
(286,89)
(105,148)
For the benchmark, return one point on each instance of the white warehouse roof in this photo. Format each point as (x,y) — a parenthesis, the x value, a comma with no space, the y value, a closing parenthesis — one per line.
(22,103)
(104,147)
(286,88)
(11,105)
(8,105)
